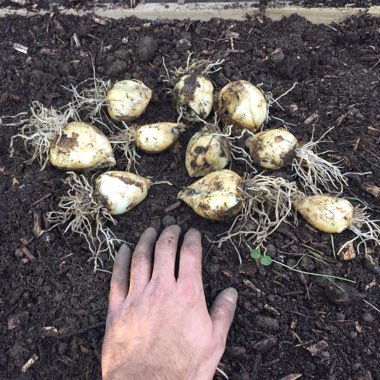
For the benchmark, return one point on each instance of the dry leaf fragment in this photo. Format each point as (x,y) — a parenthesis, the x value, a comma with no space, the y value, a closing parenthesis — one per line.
(99,21)
(372,189)
(292,376)
(358,328)
(21,48)
(311,119)
(317,348)
(348,253)
(33,359)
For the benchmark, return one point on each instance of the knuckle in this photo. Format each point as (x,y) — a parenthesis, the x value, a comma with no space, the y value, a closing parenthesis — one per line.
(159,289)
(166,242)
(190,290)
(140,257)
(190,250)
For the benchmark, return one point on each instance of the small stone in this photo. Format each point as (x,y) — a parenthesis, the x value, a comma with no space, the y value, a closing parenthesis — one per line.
(123,54)
(16,320)
(356,366)
(183,45)
(307,264)
(325,354)
(247,306)
(271,250)
(265,345)
(146,48)
(267,323)
(340,316)
(343,295)
(277,55)
(371,263)
(48,237)
(365,375)
(186,35)
(117,67)
(291,263)
(156,223)
(317,348)
(173,165)
(19,253)
(368,317)
(168,220)
(238,351)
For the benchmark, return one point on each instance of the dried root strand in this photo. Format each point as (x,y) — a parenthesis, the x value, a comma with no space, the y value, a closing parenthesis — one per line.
(364,228)
(271,100)
(125,141)
(238,153)
(316,174)
(82,214)
(267,204)
(41,129)
(89,99)
(202,67)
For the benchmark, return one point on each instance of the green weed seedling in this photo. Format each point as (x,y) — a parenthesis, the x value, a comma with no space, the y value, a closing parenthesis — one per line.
(266,261)
(263,260)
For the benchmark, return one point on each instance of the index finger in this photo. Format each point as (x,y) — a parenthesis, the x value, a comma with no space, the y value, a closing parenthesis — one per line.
(120,278)
(190,259)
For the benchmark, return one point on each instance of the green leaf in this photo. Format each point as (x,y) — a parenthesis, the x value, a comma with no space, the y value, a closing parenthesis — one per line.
(256,254)
(265,261)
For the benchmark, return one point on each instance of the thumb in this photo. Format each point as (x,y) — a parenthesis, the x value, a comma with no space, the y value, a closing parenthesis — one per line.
(222,313)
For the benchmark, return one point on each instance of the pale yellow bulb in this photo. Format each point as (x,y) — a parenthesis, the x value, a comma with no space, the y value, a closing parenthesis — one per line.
(243,105)
(128,99)
(216,196)
(272,149)
(156,138)
(326,213)
(81,147)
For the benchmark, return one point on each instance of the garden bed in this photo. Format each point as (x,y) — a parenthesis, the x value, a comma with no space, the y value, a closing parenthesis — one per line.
(54,307)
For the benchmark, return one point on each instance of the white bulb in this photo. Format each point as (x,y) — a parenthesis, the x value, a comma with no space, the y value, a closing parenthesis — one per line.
(128,99)
(120,191)
(80,147)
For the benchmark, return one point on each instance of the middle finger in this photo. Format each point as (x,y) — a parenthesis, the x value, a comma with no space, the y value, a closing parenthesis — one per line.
(165,254)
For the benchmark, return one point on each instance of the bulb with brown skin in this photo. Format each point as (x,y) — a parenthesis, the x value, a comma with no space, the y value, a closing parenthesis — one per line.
(272,149)
(207,151)
(81,147)
(121,191)
(216,196)
(193,96)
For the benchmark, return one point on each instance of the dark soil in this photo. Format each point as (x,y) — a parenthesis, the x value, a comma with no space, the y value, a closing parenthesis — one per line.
(44,4)
(54,306)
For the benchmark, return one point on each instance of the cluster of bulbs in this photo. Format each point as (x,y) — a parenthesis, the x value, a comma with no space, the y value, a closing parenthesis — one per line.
(221,193)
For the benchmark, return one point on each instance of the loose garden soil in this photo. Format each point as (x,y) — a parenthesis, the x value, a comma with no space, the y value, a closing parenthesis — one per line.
(53,306)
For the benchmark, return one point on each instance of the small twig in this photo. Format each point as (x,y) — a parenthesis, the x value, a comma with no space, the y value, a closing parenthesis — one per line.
(172,207)
(40,200)
(28,254)
(81,331)
(373,306)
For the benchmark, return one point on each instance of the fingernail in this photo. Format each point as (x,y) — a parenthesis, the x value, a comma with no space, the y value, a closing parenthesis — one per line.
(231,295)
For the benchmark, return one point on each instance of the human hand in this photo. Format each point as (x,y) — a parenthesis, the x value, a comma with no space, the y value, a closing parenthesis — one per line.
(158,326)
